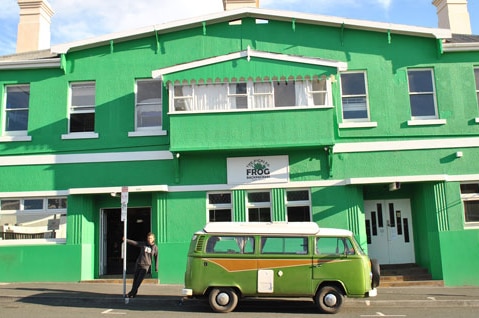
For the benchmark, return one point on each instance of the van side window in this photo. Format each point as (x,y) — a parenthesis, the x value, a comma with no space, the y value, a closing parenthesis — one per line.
(334,245)
(284,245)
(230,244)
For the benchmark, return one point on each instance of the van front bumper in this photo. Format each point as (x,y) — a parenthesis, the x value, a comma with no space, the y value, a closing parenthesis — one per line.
(187,292)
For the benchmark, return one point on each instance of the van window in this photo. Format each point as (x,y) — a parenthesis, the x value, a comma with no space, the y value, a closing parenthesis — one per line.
(284,245)
(230,244)
(334,245)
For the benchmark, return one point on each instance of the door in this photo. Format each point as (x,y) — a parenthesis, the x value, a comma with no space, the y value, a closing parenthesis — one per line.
(389,231)
(139,224)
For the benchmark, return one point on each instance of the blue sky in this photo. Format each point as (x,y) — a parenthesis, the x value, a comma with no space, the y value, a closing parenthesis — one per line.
(80,19)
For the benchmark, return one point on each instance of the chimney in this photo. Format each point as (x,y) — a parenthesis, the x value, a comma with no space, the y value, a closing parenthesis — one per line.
(453,15)
(34,25)
(236,4)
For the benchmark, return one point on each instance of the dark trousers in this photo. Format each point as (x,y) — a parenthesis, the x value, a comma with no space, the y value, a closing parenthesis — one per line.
(137,280)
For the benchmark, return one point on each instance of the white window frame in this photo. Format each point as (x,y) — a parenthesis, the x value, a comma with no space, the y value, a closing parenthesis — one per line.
(44,212)
(433,93)
(14,133)
(218,206)
(365,96)
(465,197)
(259,205)
(476,79)
(80,109)
(298,203)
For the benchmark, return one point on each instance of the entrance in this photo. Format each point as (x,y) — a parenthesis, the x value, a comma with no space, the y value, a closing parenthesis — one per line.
(389,231)
(139,224)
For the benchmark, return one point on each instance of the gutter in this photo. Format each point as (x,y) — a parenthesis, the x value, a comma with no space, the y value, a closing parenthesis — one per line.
(30,64)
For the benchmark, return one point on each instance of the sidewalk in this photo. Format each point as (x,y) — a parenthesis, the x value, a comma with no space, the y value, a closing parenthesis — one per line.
(113,293)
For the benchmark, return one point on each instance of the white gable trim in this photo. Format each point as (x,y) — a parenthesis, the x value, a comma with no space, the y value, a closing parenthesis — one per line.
(248,53)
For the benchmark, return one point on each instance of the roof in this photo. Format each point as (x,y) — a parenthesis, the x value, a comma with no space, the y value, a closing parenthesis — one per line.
(231,15)
(281,228)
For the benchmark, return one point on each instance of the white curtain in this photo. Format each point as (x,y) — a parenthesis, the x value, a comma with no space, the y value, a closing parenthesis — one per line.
(303,95)
(263,95)
(210,97)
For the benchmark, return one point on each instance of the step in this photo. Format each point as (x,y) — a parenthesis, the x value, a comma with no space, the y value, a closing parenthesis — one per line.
(404,275)
(416,283)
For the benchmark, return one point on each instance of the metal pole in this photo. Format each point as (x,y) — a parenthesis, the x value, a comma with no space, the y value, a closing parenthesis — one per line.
(124,260)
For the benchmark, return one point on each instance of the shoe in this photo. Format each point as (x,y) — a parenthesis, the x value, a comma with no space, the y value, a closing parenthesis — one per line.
(130,295)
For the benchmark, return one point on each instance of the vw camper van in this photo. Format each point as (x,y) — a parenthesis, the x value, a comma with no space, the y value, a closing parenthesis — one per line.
(231,260)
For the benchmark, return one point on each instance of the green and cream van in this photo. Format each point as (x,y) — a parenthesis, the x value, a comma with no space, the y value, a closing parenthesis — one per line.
(231,260)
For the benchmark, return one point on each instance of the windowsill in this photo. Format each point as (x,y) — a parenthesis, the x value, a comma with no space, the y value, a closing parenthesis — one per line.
(80,135)
(366,124)
(61,241)
(426,122)
(15,138)
(471,226)
(477,120)
(146,133)
(179,112)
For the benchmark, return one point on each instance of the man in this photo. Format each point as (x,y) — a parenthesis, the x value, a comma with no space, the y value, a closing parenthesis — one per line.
(148,251)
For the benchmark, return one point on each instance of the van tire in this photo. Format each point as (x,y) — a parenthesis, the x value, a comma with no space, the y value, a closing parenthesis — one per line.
(223,299)
(329,299)
(376,273)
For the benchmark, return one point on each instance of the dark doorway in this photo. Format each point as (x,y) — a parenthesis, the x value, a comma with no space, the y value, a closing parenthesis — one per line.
(139,224)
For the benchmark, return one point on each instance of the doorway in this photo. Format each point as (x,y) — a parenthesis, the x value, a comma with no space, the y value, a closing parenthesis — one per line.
(389,231)
(138,225)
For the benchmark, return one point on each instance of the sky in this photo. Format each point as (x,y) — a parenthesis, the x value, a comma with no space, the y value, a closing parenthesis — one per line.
(81,19)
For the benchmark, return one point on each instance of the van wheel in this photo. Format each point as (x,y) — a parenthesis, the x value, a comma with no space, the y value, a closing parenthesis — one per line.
(329,299)
(223,299)
(376,273)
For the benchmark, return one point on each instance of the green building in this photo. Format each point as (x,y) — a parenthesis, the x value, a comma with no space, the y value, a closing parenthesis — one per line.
(244,115)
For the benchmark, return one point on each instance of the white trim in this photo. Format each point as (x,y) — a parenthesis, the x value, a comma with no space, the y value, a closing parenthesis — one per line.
(365,124)
(34,194)
(460,47)
(80,135)
(103,190)
(15,138)
(445,143)
(248,53)
(476,120)
(232,15)
(30,64)
(426,122)
(84,158)
(146,133)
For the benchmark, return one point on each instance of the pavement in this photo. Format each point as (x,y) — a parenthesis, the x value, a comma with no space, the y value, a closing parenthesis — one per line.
(90,293)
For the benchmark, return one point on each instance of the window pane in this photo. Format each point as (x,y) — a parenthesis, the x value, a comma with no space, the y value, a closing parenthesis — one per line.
(258,197)
(33,226)
(82,122)
(83,94)
(259,215)
(284,245)
(57,203)
(148,115)
(18,97)
(220,215)
(284,94)
(149,92)
(422,105)
(471,211)
(219,198)
(33,204)
(10,205)
(298,214)
(299,195)
(476,75)
(16,120)
(353,84)
(420,81)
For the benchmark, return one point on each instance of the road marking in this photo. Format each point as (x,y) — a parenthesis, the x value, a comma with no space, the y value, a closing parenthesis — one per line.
(110,312)
(431,298)
(380,314)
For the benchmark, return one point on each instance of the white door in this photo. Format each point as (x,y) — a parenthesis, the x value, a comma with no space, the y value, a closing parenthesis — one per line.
(389,231)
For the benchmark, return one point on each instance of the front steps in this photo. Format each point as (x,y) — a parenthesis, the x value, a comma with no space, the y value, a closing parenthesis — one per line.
(404,275)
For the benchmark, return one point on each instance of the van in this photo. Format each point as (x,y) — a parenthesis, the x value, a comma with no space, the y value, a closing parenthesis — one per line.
(228,261)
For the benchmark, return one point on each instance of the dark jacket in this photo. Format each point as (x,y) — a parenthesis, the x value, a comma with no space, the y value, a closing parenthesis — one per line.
(147,253)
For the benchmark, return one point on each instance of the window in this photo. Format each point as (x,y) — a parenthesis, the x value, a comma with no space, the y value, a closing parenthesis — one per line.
(250,95)
(82,107)
(219,207)
(470,200)
(354,96)
(298,206)
(148,104)
(334,245)
(17,102)
(38,219)
(230,244)
(422,95)
(284,245)
(259,206)
(476,76)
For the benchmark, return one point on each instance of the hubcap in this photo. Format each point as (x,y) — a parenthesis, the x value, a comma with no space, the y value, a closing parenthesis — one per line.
(222,299)
(330,300)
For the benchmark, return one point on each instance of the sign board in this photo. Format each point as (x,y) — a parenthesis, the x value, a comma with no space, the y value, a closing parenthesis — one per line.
(124,203)
(262,169)
(54,224)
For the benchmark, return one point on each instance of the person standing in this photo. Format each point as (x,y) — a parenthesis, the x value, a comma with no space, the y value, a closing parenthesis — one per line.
(148,252)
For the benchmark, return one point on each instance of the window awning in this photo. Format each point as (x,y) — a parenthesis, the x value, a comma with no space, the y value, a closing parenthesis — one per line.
(250,64)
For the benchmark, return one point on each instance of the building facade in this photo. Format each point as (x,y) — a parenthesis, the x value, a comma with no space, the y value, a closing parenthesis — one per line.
(245,115)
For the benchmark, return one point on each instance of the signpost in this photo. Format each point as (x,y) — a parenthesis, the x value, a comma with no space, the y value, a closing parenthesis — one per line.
(124,217)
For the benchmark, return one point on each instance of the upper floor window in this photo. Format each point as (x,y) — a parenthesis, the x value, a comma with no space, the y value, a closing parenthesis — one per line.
(259,206)
(219,207)
(250,95)
(148,105)
(470,200)
(298,206)
(82,107)
(476,75)
(17,100)
(422,94)
(354,96)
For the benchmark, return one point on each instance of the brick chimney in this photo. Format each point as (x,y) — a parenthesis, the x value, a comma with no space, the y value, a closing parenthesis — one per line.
(236,4)
(34,25)
(453,15)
